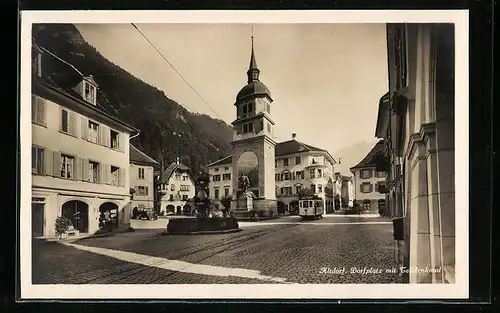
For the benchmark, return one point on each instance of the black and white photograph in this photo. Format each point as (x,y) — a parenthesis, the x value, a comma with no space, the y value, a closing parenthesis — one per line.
(248,155)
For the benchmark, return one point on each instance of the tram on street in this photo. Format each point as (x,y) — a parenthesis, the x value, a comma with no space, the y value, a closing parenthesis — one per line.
(311,207)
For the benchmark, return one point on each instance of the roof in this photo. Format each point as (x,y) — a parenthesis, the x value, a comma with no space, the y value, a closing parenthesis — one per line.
(171,169)
(223,161)
(255,88)
(137,156)
(369,159)
(282,148)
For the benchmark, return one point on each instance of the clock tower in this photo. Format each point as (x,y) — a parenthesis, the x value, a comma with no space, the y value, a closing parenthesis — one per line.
(253,140)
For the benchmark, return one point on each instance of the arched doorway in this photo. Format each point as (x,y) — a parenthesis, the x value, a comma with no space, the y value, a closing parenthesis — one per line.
(78,213)
(187,209)
(179,210)
(109,215)
(170,209)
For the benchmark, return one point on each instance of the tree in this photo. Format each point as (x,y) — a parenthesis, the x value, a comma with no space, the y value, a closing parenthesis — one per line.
(226,203)
(305,192)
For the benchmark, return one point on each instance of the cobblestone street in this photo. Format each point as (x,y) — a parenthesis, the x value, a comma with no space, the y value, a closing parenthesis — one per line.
(285,250)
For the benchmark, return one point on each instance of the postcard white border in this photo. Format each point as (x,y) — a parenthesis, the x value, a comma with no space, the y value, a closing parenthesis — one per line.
(288,291)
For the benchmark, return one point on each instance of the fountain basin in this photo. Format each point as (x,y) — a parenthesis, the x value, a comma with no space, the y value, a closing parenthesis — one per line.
(198,226)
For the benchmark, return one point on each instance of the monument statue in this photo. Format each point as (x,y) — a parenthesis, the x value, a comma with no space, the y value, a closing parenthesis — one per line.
(244,183)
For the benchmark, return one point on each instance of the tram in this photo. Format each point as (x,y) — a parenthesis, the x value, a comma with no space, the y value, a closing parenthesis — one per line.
(311,207)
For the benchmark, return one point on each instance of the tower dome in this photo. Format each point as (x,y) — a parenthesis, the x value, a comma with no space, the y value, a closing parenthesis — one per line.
(254,86)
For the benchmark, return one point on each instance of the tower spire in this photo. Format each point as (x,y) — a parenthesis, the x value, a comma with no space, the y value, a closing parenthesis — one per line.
(253,71)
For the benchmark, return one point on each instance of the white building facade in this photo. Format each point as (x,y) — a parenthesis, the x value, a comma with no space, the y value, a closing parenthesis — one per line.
(176,187)
(368,181)
(80,157)
(142,179)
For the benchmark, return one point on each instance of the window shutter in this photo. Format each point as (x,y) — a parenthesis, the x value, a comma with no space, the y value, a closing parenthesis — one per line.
(371,188)
(107,137)
(72,123)
(33,108)
(40,110)
(48,163)
(121,177)
(109,178)
(85,170)
(100,132)
(85,127)
(120,142)
(102,173)
(78,168)
(57,164)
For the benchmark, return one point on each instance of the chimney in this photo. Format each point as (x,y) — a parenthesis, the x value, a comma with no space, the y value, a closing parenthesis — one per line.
(178,161)
(294,135)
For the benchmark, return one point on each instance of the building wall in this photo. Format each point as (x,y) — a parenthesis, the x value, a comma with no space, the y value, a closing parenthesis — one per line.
(222,184)
(146,200)
(173,188)
(428,155)
(373,196)
(47,136)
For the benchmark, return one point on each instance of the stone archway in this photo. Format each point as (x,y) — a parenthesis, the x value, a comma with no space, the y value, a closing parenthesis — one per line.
(108,215)
(170,209)
(78,213)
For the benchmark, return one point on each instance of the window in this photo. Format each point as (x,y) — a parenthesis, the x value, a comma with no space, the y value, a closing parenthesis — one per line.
(287,191)
(366,174)
(115,140)
(216,193)
(247,109)
(380,174)
(184,187)
(298,160)
(171,198)
(286,176)
(93,133)
(311,173)
(177,177)
(172,187)
(299,175)
(68,122)
(276,163)
(226,177)
(285,162)
(142,190)
(320,188)
(298,189)
(248,127)
(93,174)
(90,93)
(277,177)
(226,168)
(67,167)
(216,177)
(226,191)
(38,110)
(216,169)
(184,197)
(184,178)
(140,173)
(115,175)
(366,187)
(313,188)
(37,160)
(320,173)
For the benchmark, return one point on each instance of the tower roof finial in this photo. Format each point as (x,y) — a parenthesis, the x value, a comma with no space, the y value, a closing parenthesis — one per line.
(253,71)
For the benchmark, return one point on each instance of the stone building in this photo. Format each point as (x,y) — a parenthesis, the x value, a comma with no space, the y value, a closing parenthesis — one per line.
(368,180)
(80,155)
(176,187)
(416,121)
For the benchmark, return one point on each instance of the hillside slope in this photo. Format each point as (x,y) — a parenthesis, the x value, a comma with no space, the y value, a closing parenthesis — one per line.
(203,139)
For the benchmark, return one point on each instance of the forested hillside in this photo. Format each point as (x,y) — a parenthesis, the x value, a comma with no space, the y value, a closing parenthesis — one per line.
(202,138)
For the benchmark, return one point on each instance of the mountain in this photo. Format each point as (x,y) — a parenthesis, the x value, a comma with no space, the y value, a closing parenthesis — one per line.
(352,155)
(161,120)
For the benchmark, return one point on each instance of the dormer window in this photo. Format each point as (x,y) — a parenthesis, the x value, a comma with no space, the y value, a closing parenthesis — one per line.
(89,92)
(36,62)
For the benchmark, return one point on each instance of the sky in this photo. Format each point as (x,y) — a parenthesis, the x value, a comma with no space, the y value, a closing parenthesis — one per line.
(325,79)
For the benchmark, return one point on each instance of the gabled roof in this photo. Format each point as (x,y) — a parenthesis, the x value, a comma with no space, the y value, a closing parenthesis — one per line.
(282,148)
(369,159)
(50,89)
(223,161)
(171,170)
(139,157)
